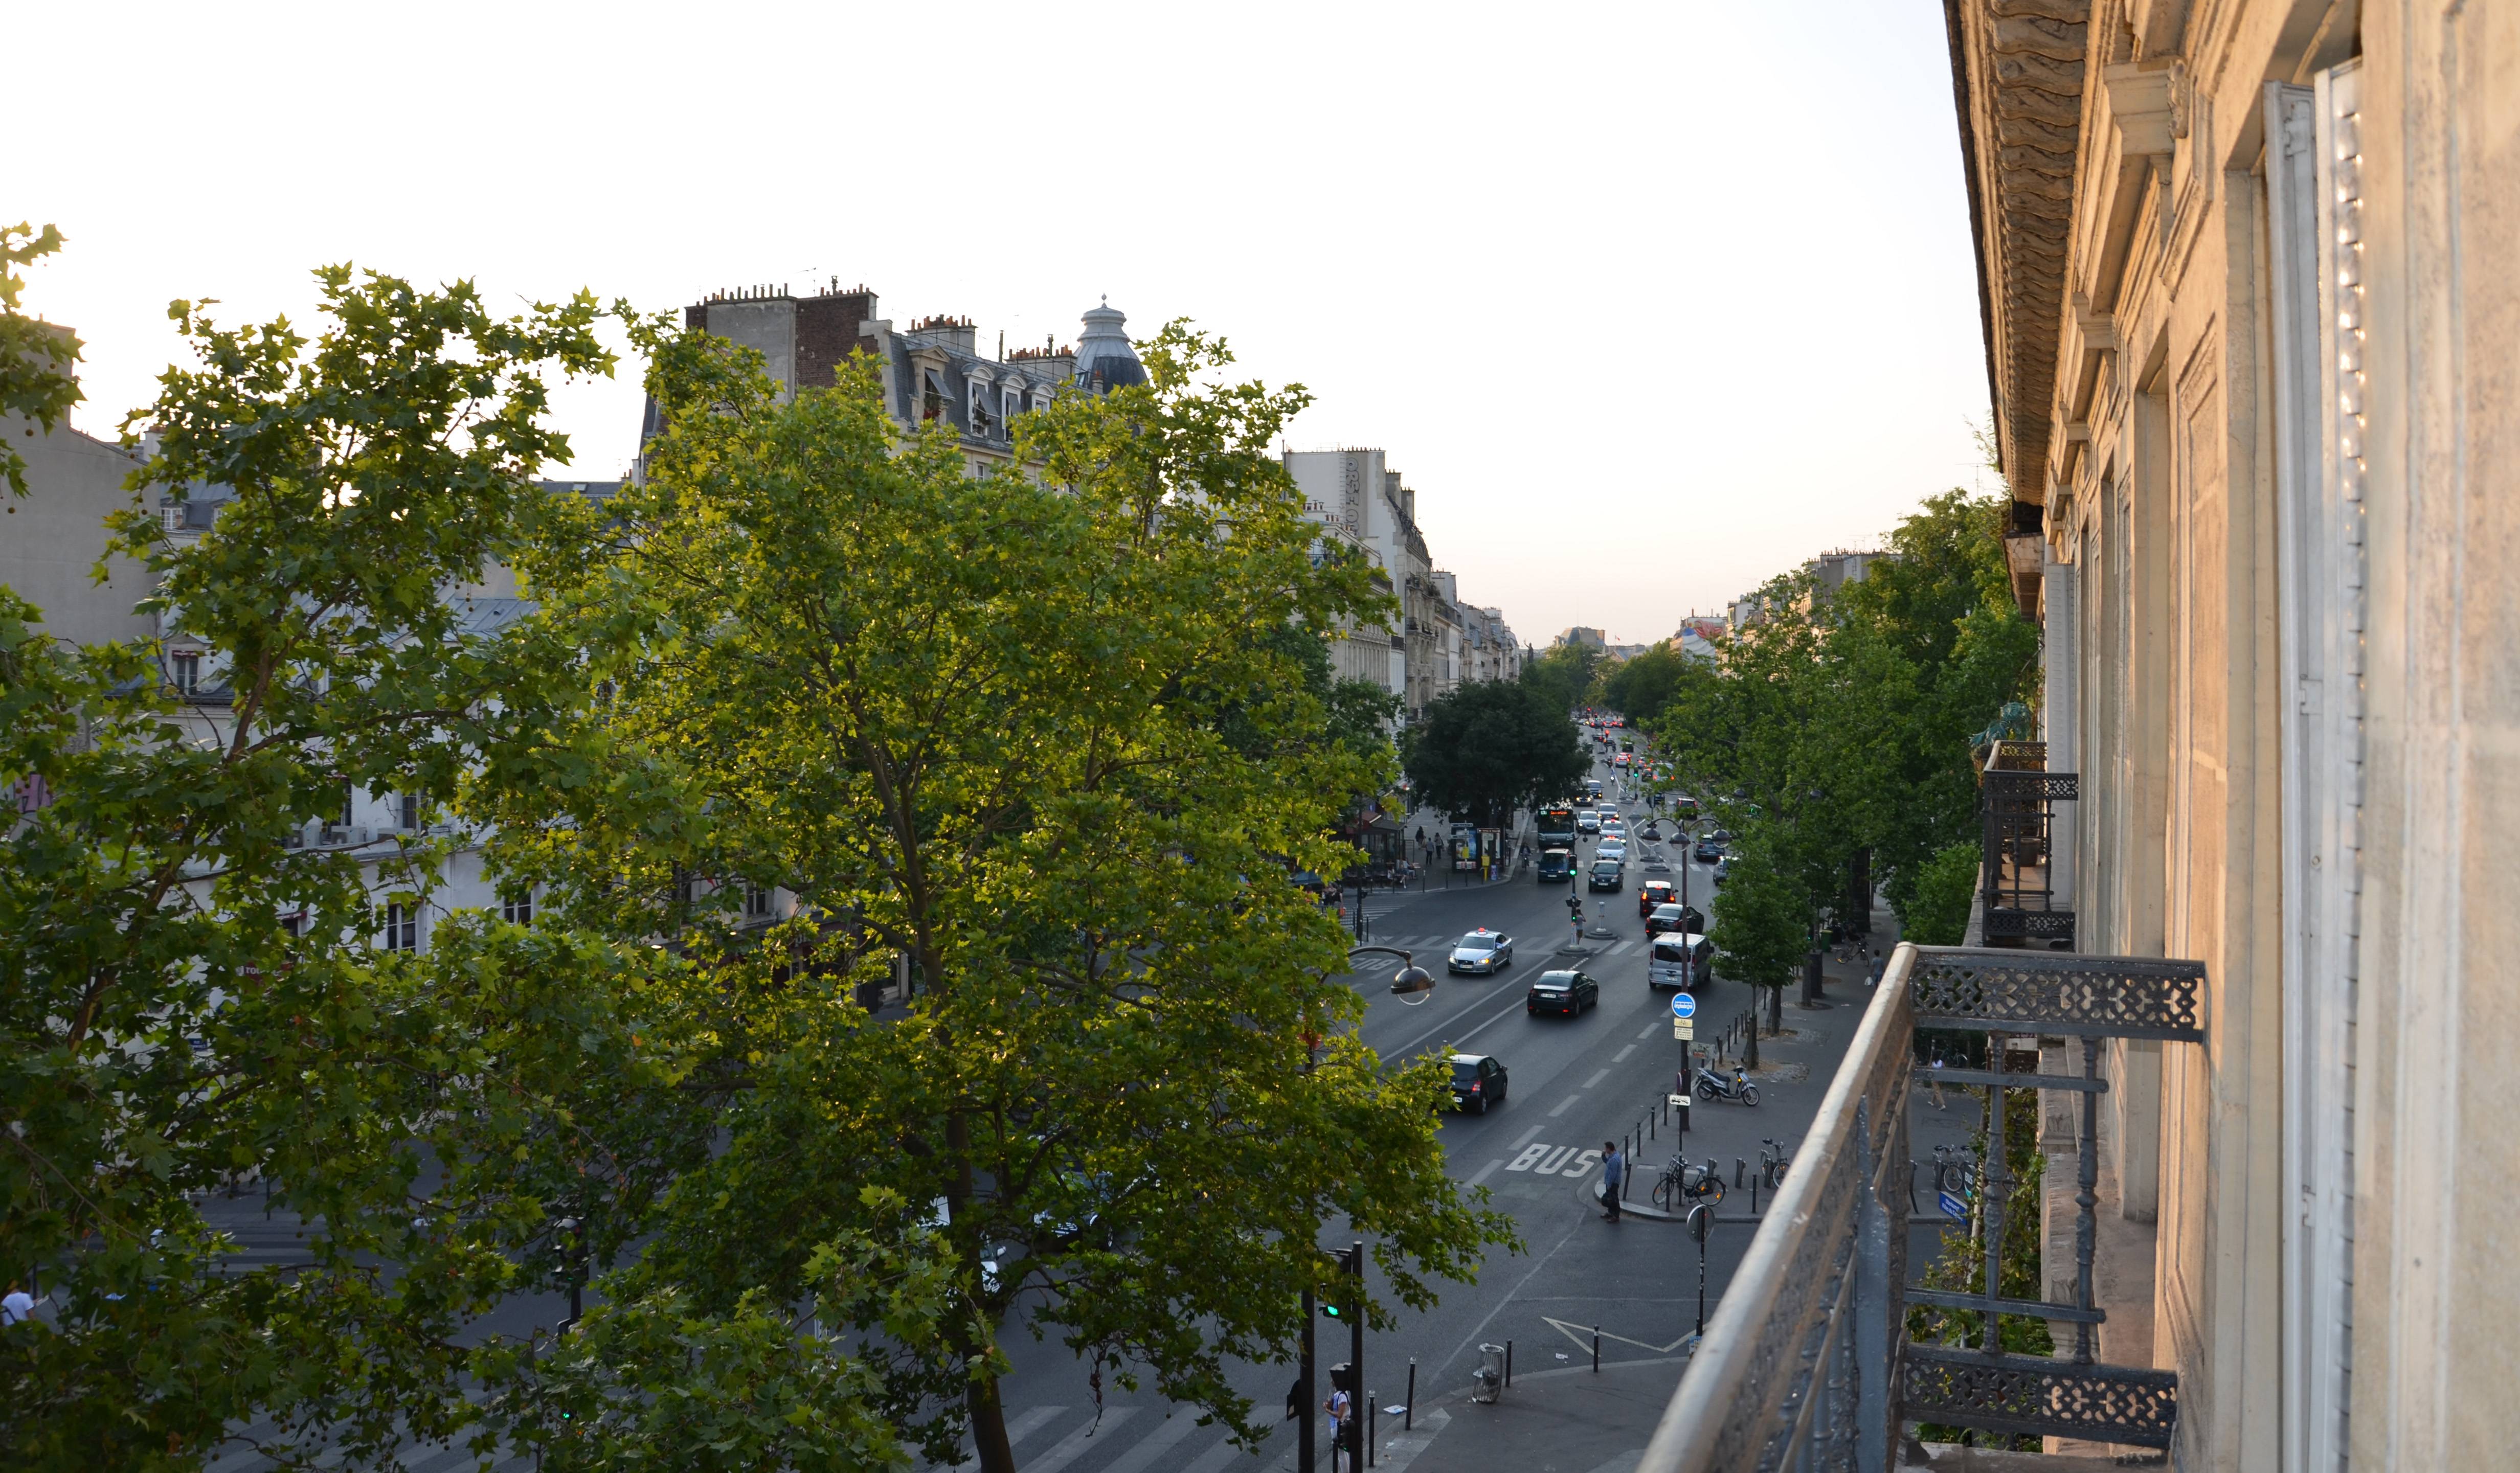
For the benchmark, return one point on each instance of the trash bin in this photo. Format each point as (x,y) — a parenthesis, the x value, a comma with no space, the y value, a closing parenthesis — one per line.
(1489,1379)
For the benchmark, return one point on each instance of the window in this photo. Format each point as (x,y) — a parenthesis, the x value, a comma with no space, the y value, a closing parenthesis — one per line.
(186,665)
(295,926)
(517,910)
(1011,404)
(756,903)
(407,811)
(931,401)
(402,926)
(172,517)
(979,409)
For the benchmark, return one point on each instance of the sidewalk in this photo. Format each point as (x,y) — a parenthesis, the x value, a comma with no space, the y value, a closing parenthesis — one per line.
(1573,1421)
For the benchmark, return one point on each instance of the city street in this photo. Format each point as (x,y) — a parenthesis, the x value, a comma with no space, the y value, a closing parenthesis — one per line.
(1574,1084)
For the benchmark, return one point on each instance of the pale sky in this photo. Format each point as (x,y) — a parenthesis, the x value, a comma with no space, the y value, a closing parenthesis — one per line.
(1648,303)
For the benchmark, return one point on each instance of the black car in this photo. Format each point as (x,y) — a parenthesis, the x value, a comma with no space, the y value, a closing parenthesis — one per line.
(1709,850)
(1478,1082)
(1560,992)
(1556,866)
(1607,874)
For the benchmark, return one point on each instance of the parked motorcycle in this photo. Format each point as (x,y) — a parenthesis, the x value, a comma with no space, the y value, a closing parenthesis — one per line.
(1713,1085)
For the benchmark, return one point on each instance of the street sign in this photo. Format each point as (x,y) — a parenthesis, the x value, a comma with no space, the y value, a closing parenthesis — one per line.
(1682,1029)
(1682,1006)
(1681,1101)
(1952,1207)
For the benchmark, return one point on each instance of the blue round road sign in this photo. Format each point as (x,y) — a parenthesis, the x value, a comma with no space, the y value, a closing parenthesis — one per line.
(1682,1006)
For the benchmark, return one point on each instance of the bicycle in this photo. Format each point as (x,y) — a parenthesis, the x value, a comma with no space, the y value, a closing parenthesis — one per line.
(1683,1184)
(1955,1168)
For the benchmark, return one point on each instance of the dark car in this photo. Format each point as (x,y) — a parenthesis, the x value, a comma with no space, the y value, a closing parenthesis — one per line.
(1569,993)
(1666,917)
(1653,893)
(1478,1082)
(1556,865)
(1481,952)
(1709,850)
(1607,874)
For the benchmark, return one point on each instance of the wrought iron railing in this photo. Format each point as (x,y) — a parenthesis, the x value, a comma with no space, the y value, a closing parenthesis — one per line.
(1806,1363)
(2019,796)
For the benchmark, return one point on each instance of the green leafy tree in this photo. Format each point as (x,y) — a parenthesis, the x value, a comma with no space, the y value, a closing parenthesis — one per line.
(1639,688)
(1938,907)
(35,357)
(1489,747)
(1846,717)
(1569,674)
(1047,739)
(1761,924)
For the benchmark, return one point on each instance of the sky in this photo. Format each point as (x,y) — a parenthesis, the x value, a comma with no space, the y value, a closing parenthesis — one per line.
(1646,302)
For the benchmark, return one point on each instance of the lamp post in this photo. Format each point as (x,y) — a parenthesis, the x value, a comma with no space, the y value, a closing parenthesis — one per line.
(1411,984)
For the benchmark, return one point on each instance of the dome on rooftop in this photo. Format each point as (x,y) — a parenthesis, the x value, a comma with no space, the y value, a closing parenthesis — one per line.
(1103,358)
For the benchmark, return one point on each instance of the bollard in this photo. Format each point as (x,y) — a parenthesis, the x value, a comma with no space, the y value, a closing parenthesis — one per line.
(1754,1196)
(1372,1428)
(1739,1166)
(1409,1406)
(1597,1349)
(1508,1362)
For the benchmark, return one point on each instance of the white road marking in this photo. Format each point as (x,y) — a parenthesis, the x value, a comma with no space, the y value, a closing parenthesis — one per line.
(1651,1031)
(1218,1457)
(1597,1077)
(1528,1136)
(1067,1449)
(1486,1172)
(1153,1444)
(1623,946)
(1565,1107)
(1621,1057)
(1024,1426)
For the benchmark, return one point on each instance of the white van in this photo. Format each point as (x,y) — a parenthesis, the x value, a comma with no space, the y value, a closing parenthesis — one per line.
(1680,960)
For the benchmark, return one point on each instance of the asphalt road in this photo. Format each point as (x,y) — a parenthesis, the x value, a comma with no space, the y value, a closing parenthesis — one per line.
(1575,1082)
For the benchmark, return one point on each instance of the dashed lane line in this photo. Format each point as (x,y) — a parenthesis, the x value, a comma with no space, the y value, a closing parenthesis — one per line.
(1528,1136)
(1597,1076)
(1621,1057)
(1486,1172)
(1567,1104)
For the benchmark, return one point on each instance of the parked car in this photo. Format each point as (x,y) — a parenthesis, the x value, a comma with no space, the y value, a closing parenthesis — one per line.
(1607,874)
(1568,993)
(1556,865)
(1653,893)
(1481,952)
(1478,1082)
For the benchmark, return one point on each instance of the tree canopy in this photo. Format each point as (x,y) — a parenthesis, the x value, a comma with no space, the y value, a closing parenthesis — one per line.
(1843,719)
(1644,682)
(1568,674)
(1060,741)
(1489,747)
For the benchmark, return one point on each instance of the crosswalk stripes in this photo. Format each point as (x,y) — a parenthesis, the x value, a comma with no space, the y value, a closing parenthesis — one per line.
(1153,1444)
(1066,1450)
(1214,1460)
(1024,1425)
(1623,946)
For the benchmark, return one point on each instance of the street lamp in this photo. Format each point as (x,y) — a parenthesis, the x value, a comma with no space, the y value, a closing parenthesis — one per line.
(1413,984)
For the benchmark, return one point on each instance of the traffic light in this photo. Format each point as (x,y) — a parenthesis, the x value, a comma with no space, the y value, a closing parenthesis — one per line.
(1338,1302)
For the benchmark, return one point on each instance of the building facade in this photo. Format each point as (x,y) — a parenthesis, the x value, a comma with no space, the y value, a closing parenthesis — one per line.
(2251,282)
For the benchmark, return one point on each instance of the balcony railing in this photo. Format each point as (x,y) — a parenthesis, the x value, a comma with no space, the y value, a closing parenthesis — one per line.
(1807,1362)
(2019,796)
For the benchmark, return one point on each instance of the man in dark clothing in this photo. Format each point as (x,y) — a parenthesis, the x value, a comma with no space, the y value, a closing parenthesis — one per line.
(1614,1170)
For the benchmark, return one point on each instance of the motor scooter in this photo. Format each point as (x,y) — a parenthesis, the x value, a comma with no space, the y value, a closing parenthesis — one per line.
(1711,1085)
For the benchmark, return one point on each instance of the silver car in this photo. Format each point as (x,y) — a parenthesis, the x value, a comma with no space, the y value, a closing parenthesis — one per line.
(1482,951)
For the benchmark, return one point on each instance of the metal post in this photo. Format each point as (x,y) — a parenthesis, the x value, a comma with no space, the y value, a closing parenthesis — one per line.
(1508,1362)
(1999,1181)
(1356,1327)
(2086,1197)
(1701,1289)
(1369,1429)
(1597,1349)
(1306,1453)
(1408,1406)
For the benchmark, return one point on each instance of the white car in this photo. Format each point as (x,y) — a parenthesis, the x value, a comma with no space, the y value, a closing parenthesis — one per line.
(1481,951)
(1611,849)
(1588,822)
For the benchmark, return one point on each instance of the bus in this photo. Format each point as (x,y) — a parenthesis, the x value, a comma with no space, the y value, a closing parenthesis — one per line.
(1557,827)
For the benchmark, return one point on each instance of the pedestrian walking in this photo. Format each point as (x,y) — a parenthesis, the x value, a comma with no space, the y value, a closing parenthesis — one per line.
(1873,973)
(1341,1411)
(1614,1170)
(17,1307)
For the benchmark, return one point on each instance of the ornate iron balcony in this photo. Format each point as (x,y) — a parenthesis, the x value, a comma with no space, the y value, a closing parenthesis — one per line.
(1807,1362)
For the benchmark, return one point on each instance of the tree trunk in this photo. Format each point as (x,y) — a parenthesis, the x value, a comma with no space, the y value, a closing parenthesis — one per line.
(989,1443)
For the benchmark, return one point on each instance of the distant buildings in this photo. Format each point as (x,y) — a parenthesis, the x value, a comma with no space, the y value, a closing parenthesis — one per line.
(1361,502)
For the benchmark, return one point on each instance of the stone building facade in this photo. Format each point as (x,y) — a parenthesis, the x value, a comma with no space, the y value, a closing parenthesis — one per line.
(2251,275)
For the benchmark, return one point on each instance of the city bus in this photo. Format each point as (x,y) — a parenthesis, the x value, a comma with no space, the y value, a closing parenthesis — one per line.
(1557,827)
